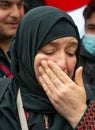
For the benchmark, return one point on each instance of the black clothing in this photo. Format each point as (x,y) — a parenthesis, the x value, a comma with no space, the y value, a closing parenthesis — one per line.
(9,119)
(88,62)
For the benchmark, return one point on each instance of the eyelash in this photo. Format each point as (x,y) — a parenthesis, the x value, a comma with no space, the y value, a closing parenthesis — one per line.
(71,54)
(49,52)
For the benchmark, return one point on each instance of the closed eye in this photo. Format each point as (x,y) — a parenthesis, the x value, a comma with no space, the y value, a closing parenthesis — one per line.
(71,54)
(49,52)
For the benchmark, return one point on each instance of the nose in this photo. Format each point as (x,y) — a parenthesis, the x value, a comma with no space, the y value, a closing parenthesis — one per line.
(15,12)
(61,61)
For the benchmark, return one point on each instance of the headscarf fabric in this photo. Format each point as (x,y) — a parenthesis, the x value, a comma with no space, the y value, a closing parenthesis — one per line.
(37,28)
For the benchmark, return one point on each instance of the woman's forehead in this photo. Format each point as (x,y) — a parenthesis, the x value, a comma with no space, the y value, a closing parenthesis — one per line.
(67,41)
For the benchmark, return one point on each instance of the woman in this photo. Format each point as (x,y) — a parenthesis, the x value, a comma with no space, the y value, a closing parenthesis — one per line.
(44,54)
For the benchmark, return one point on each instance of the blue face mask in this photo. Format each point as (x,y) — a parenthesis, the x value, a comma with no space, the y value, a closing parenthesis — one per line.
(88,42)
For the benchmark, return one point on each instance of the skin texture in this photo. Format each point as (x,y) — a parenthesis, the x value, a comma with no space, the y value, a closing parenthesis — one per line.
(11,12)
(90,24)
(54,69)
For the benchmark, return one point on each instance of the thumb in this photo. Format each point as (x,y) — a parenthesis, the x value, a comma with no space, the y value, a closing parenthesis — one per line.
(78,76)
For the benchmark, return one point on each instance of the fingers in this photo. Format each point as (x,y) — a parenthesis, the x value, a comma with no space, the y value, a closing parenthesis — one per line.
(58,72)
(45,80)
(49,84)
(78,76)
(53,78)
(47,77)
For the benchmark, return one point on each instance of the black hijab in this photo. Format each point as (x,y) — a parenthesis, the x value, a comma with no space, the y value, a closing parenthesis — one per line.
(37,28)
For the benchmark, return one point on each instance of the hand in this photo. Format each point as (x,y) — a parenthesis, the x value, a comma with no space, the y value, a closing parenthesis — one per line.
(68,97)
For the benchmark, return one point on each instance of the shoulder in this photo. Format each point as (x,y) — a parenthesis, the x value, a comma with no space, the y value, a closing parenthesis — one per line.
(8,106)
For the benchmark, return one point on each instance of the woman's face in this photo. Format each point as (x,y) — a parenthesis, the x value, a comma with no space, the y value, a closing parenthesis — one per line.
(62,51)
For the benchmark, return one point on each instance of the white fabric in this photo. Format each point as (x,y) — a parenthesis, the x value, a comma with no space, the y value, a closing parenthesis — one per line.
(21,112)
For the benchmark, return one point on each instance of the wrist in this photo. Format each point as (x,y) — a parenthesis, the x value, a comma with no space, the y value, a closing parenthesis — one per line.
(74,120)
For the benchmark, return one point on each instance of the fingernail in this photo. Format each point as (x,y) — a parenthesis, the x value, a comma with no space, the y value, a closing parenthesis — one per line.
(40,69)
(43,63)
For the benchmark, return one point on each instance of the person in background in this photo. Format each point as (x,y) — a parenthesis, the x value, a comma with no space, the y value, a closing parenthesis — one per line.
(30,4)
(44,53)
(87,52)
(11,12)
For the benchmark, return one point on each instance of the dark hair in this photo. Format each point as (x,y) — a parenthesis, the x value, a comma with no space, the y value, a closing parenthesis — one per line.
(89,9)
(29,4)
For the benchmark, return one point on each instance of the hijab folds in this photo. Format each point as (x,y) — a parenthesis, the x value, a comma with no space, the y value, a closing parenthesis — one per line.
(37,28)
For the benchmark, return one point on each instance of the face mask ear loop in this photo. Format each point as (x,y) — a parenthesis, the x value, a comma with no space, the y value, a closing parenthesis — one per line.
(21,112)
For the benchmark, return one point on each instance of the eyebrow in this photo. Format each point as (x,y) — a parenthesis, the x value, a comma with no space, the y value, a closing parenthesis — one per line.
(73,43)
(70,43)
(91,25)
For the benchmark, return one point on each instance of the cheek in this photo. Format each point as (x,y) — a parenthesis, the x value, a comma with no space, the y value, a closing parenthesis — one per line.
(71,67)
(22,13)
(37,60)
(3,17)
